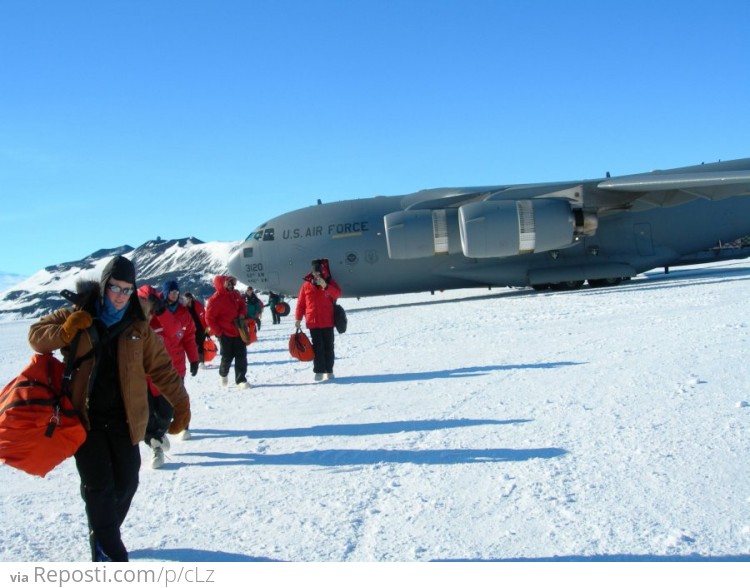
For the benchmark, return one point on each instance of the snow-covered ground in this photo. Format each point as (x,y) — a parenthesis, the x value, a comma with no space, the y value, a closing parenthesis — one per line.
(477,425)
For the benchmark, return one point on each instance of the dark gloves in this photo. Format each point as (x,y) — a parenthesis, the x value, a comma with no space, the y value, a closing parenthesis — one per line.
(180,420)
(157,304)
(193,368)
(77,321)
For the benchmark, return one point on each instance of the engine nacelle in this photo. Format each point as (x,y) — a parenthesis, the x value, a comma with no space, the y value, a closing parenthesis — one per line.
(415,234)
(504,228)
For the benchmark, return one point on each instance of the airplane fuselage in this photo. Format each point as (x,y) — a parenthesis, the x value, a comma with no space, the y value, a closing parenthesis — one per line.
(351,234)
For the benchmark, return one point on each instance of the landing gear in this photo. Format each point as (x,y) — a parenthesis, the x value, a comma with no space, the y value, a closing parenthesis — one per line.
(605,282)
(559,286)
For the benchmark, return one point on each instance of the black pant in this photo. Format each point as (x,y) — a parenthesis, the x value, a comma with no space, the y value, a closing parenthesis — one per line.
(200,337)
(233,349)
(322,342)
(108,464)
(160,414)
(275,316)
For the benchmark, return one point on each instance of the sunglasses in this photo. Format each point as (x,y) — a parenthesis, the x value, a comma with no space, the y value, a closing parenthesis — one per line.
(119,289)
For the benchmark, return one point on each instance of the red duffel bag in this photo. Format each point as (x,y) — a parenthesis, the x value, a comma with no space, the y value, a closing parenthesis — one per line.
(300,346)
(39,428)
(209,349)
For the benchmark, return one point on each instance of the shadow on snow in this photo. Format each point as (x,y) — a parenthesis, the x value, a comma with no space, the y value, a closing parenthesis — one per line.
(195,555)
(353,430)
(464,372)
(356,457)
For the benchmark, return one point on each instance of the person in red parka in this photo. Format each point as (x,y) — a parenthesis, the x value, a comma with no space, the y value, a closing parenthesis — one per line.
(187,345)
(223,308)
(198,312)
(170,330)
(315,303)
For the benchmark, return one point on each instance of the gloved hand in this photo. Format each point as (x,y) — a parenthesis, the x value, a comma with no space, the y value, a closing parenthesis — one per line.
(321,282)
(180,420)
(193,368)
(157,304)
(77,321)
(297,324)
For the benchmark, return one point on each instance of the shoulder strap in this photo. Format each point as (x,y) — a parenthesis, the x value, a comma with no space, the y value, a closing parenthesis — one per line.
(96,343)
(70,364)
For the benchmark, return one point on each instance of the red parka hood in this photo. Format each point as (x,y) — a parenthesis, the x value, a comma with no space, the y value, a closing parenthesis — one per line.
(221,281)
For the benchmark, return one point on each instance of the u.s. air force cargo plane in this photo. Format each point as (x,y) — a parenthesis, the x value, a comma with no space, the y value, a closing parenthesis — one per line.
(541,235)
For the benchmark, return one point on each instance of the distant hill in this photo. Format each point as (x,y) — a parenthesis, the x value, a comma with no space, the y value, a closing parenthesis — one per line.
(190,261)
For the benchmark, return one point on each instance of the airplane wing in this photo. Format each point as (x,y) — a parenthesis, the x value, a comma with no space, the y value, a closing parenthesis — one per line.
(447,197)
(654,189)
(671,189)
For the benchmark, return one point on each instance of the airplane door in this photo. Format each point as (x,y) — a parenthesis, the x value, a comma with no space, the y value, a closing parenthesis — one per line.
(643,240)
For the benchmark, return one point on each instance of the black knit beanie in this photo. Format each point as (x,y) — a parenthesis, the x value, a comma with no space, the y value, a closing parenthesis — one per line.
(119,268)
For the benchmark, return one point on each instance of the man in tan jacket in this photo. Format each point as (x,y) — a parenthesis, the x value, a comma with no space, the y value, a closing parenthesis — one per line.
(116,348)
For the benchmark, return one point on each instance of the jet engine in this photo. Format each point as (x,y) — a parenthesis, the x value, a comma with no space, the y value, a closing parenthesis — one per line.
(415,234)
(511,227)
(490,228)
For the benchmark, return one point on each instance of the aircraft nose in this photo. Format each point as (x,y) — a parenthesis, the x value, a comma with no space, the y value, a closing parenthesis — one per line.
(235,263)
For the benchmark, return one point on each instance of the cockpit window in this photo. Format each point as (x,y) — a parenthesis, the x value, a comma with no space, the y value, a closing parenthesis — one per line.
(257,234)
(261,234)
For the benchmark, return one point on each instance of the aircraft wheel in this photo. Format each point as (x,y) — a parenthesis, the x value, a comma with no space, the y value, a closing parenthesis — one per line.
(604,282)
(570,285)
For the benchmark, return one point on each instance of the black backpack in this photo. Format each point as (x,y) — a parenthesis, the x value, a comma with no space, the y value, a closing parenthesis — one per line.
(339,318)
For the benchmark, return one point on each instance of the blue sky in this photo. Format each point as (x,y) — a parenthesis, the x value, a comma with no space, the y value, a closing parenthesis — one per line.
(121,121)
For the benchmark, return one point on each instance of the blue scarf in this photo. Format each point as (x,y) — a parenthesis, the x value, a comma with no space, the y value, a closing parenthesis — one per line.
(108,314)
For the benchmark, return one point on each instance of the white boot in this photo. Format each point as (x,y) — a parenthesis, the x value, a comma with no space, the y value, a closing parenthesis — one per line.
(157,459)
(162,443)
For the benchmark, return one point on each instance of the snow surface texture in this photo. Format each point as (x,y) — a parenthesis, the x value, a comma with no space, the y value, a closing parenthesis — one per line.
(593,425)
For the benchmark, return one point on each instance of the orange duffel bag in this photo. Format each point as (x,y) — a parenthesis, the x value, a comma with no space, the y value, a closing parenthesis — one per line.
(300,346)
(39,428)
(209,349)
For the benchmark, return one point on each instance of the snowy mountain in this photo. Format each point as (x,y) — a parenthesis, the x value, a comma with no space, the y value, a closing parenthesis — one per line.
(190,261)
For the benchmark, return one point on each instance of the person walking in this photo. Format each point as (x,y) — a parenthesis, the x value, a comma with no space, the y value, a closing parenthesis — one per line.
(273,300)
(109,332)
(224,309)
(317,296)
(254,306)
(161,412)
(185,336)
(198,313)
